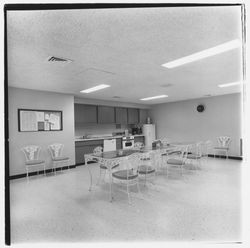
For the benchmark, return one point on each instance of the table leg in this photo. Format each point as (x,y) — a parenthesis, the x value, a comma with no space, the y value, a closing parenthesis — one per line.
(90,174)
(110,186)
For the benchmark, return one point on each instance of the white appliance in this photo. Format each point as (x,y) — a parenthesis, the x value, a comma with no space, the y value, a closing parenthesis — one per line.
(128,142)
(109,145)
(148,131)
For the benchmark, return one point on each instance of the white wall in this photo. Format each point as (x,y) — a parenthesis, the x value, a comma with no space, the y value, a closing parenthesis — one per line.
(180,121)
(31,99)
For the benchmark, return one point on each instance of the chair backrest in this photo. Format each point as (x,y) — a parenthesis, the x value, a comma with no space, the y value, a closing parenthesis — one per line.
(138,145)
(31,152)
(164,141)
(133,161)
(184,152)
(56,150)
(98,150)
(195,148)
(224,141)
(199,147)
(208,146)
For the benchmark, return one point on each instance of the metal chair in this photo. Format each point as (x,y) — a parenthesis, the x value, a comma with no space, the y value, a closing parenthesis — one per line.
(147,166)
(103,168)
(205,149)
(178,158)
(138,145)
(223,145)
(128,175)
(57,157)
(32,160)
(164,142)
(194,154)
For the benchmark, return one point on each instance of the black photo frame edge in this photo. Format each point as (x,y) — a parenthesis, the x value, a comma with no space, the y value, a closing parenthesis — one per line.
(40,110)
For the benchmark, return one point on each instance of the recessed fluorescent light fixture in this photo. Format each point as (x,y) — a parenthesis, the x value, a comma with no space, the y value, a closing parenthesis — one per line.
(229,84)
(153,97)
(98,87)
(204,54)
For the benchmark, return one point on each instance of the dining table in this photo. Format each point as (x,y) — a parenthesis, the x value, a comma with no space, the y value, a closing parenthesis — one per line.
(111,158)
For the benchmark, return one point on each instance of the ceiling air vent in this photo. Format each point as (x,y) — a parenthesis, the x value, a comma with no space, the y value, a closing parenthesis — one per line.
(58,60)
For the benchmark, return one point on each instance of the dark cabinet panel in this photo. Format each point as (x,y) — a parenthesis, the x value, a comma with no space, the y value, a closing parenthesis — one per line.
(85,113)
(118,143)
(121,115)
(143,113)
(133,116)
(139,139)
(106,114)
(85,147)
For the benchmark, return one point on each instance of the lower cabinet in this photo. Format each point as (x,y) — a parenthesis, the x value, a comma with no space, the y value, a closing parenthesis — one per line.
(139,139)
(85,147)
(118,143)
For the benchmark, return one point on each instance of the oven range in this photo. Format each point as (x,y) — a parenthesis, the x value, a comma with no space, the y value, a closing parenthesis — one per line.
(128,142)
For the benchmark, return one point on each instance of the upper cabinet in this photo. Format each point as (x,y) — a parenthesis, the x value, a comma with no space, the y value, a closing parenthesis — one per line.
(133,116)
(85,113)
(106,114)
(143,114)
(121,115)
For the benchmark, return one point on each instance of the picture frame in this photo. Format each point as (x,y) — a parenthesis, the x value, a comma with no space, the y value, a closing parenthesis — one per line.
(36,120)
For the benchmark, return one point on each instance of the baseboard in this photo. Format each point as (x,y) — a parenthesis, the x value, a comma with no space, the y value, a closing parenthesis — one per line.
(223,156)
(34,173)
(83,163)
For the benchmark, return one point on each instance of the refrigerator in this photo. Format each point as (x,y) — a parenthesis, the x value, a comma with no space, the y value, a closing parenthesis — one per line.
(148,131)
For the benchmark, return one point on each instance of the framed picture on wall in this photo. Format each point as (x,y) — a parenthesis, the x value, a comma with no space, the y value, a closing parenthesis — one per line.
(31,120)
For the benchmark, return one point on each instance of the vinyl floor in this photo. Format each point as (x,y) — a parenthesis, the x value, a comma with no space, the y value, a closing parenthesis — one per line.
(200,205)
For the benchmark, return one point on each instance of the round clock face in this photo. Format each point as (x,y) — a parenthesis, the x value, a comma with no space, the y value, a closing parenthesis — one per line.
(200,108)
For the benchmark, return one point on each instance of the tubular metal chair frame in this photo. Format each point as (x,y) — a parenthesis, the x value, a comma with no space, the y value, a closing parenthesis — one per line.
(148,164)
(195,154)
(138,145)
(103,168)
(130,174)
(32,153)
(180,158)
(56,155)
(205,148)
(164,141)
(224,143)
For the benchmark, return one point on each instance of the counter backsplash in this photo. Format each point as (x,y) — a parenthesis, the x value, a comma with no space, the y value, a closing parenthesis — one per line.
(95,129)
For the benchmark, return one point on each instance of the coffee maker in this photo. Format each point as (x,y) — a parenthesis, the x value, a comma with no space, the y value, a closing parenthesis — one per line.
(136,130)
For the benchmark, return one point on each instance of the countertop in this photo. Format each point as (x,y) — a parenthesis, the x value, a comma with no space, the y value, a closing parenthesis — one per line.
(107,137)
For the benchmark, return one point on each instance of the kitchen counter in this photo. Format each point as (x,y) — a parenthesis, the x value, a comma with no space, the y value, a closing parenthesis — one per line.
(107,137)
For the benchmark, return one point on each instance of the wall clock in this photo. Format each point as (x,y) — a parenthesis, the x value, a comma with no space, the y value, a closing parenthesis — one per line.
(200,108)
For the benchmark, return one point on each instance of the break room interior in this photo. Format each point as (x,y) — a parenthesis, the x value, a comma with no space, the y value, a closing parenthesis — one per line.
(86,77)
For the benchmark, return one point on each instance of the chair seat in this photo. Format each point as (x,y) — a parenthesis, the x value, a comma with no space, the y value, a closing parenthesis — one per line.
(105,167)
(193,156)
(124,175)
(174,152)
(174,161)
(221,148)
(145,169)
(60,158)
(145,159)
(35,162)
(170,153)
